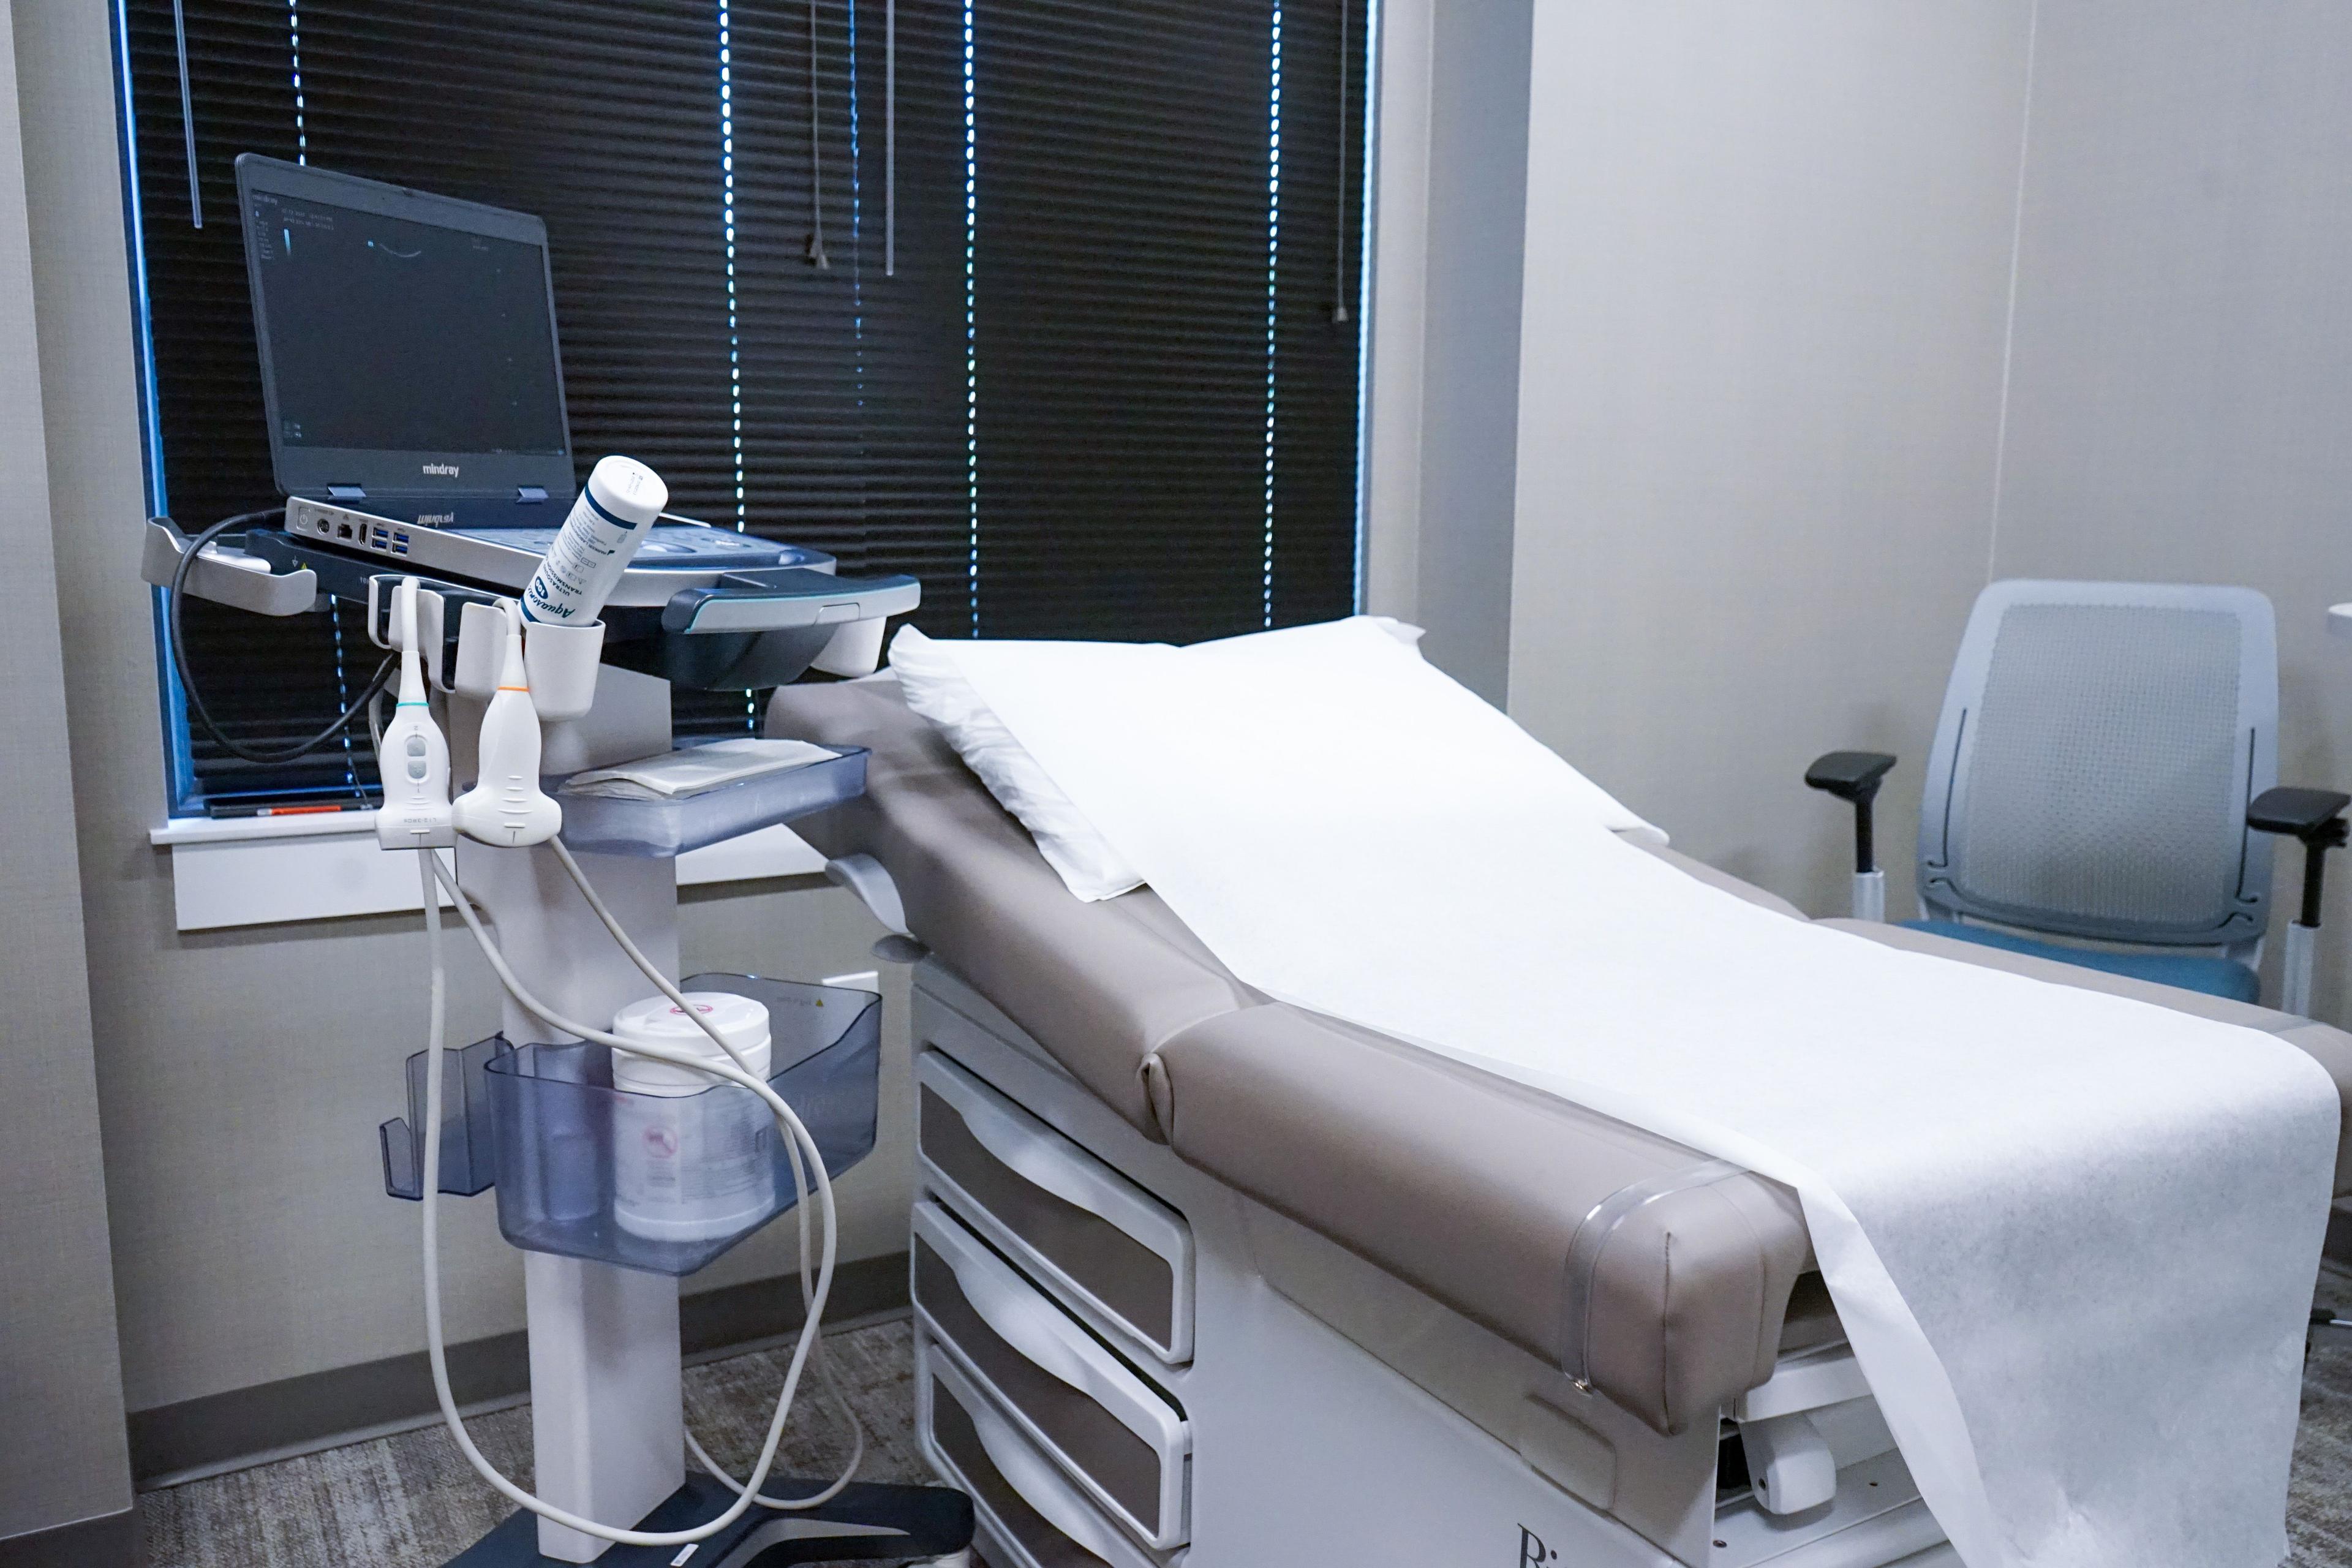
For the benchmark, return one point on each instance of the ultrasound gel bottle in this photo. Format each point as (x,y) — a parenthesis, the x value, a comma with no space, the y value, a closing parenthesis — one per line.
(615,509)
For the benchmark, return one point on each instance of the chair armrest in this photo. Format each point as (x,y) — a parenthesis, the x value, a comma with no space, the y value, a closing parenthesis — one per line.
(1851,775)
(2305,814)
(2315,816)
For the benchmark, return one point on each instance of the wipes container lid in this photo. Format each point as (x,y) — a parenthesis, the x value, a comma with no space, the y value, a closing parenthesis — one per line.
(658,1021)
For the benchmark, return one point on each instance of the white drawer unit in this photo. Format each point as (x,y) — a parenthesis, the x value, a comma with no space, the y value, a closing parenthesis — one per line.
(1119,1439)
(1029,1514)
(1116,1253)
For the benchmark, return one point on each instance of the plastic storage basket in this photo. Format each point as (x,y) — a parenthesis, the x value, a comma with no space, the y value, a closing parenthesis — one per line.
(666,1183)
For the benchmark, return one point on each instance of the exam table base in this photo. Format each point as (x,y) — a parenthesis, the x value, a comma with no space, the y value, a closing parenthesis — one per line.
(864,1523)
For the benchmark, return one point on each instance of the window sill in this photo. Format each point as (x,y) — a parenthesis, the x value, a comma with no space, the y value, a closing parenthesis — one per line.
(266,871)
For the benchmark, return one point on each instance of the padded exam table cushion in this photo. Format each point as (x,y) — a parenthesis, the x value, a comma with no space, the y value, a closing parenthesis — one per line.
(1467,1186)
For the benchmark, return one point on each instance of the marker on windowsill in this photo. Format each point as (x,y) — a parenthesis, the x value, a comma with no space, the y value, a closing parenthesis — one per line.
(227,811)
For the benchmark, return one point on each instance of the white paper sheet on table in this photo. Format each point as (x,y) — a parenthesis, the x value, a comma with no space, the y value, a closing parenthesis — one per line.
(2072,1237)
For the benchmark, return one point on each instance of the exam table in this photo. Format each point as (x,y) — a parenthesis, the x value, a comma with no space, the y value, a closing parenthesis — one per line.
(1201,1273)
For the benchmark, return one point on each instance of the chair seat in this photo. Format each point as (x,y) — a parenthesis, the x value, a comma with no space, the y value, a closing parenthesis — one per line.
(2189,970)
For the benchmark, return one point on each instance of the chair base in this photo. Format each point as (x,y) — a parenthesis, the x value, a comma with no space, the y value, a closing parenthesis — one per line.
(864,1523)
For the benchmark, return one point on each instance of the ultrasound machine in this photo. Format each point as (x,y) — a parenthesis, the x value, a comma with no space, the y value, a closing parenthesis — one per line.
(415,398)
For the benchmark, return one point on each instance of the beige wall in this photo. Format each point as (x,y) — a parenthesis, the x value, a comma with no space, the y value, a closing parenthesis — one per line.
(1766,276)
(1398,295)
(242,1074)
(1452,166)
(1781,416)
(62,1456)
(1470,354)
(2182,385)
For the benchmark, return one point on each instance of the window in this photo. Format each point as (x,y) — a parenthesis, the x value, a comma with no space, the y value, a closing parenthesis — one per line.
(1081,353)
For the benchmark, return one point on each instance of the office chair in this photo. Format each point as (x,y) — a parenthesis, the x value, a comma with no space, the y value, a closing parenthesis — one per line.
(2104,772)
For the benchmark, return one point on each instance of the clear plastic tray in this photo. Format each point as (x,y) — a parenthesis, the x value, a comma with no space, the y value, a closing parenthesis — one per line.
(464,1126)
(659,829)
(667,1183)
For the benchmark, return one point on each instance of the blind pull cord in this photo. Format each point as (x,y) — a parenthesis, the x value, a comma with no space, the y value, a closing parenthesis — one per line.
(1339,221)
(816,256)
(187,113)
(889,138)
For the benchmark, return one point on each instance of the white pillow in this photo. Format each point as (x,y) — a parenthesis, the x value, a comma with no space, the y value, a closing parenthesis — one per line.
(937,690)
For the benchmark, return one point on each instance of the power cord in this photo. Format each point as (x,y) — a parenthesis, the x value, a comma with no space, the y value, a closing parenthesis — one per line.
(795,1132)
(661,982)
(809,1294)
(803,1155)
(196,708)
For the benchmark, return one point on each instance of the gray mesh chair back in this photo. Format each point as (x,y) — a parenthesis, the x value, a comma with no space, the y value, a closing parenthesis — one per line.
(2098,747)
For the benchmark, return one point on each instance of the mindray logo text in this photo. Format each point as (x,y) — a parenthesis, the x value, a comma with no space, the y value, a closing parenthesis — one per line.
(446,470)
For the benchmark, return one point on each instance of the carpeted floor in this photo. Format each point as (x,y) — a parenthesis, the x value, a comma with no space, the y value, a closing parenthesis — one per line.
(2319,1495)
(411,1502)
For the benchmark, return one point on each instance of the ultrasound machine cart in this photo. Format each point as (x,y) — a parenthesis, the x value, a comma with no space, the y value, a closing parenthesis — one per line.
(417,428)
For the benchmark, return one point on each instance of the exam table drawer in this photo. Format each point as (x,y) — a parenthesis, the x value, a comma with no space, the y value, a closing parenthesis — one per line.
(1118,1438)
(1023,1502)
(1106,1246)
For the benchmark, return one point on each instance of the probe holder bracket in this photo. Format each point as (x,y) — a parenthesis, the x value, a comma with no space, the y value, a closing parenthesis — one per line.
(563,664)
(440,611)
(383,593)
(212,576)
(562,660)
(465,1125)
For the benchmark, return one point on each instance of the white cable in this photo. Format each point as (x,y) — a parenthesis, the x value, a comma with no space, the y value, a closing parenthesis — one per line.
(646,966)
(662,983)
(431,872)
(800,1189)
(793,1129)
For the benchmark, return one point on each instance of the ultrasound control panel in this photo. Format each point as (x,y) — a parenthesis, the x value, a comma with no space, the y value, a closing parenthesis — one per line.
(678,545)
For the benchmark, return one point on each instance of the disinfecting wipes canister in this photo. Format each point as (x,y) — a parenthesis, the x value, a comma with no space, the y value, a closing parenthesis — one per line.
(608,524)
(693,1158)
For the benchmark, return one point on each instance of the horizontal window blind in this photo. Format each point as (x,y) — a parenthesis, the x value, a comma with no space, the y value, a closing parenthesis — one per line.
(1084,375)
(1165,394)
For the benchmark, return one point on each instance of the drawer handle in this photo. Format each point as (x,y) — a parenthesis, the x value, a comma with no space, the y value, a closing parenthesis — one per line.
(1027,1152)
(1038,1485)
(1037,1330)
(1024,1320)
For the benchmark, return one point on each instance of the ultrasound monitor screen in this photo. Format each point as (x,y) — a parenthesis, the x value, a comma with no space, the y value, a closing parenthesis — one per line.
(386,334)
